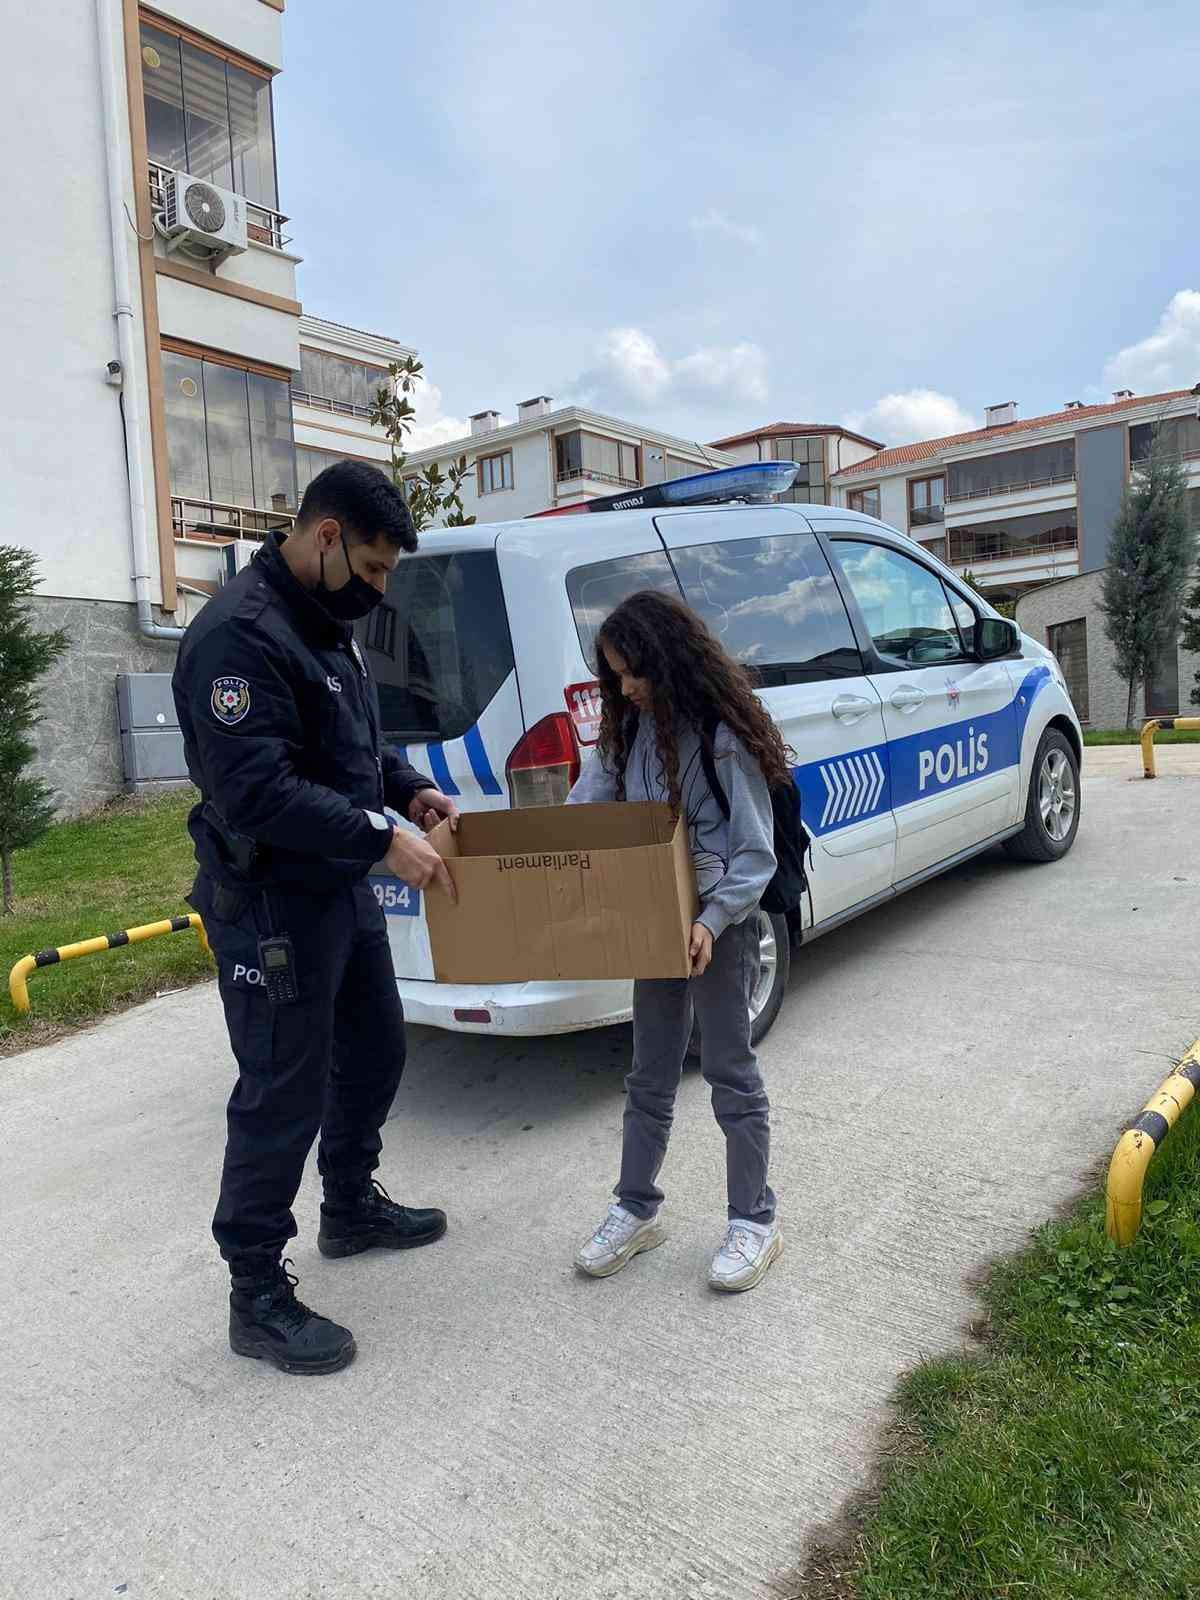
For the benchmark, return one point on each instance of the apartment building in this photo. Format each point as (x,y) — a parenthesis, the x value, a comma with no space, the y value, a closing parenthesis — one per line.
(819,449)
(551,460)
(1022,502)
(1027,507)
(173,398)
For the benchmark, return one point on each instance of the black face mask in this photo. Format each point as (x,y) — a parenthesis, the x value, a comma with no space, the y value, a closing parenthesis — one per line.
(354,599)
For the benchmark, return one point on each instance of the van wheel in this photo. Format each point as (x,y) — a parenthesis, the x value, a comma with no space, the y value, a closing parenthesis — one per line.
(770,986)
(1052,806)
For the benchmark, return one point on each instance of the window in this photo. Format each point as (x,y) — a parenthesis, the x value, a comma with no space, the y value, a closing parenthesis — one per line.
(209,116)
(926,498)
(310,462)
(495,472)
(808,452)
(579,455)
(677,467)
(333,382)
(1042,534)
(1015,469)
(1179,436)
(596,590)
(229,433)
(774,606)
(1068,642)
(444,651)
(864,500)
(1162,684)
(905,605)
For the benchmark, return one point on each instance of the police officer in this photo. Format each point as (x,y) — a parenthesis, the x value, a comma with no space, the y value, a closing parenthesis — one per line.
(280,721)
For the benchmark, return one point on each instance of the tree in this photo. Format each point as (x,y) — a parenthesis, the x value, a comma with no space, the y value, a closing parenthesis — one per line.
(430,494)
(1006,608)
(1189,636)
(25,655)
(1150,558)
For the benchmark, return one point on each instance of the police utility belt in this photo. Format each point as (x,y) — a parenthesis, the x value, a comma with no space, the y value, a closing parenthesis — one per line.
(276,955)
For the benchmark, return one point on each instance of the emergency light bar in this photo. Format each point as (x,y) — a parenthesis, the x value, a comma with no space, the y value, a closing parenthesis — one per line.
(759,480)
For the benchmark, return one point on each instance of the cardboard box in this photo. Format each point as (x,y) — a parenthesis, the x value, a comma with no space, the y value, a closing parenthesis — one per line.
(549,892)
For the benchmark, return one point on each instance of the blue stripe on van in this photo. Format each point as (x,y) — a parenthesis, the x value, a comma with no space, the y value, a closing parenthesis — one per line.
(440,771)
(402,751)
(480,765)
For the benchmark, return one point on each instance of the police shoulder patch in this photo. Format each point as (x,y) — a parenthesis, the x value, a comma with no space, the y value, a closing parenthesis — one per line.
(230,700)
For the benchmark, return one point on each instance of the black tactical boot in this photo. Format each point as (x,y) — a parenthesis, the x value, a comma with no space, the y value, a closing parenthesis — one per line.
(359,1214)
(268,1323)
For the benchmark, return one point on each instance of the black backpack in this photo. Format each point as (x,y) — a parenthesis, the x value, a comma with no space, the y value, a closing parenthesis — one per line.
(792,842)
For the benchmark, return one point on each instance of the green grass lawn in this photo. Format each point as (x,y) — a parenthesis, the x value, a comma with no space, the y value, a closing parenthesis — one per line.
(1133,735)
(123,866)
(1063,1462)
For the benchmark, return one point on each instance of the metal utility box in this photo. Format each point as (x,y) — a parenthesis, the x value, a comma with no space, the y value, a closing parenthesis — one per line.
(151,743)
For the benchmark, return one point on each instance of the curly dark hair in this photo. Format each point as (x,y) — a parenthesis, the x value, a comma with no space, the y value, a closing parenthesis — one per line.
(692,680)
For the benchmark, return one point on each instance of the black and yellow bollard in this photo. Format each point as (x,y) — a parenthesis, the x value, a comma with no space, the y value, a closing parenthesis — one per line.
(18,984)
(1127,1169)
(1152,727)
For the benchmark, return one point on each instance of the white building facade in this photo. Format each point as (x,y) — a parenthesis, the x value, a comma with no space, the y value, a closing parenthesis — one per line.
(155,323)
(550,459)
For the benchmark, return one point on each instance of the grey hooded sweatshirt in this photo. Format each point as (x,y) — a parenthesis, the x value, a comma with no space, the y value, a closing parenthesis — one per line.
(734,860)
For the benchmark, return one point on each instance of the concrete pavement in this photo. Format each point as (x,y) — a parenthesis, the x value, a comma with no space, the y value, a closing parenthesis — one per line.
(943,1075)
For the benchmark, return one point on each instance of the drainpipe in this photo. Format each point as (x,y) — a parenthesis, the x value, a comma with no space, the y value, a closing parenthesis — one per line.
(109,27)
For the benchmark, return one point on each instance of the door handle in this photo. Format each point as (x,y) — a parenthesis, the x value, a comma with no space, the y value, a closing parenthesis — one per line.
(851,708)
(908,699)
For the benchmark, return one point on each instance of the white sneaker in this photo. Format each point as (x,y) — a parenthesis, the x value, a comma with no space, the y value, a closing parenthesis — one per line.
(746,1255)
(617,1240)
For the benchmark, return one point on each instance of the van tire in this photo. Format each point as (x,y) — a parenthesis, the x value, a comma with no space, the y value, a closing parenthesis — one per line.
(773,999)
(1053,788)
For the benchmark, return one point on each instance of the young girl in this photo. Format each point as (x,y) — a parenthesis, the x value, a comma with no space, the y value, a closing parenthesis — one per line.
(664,679)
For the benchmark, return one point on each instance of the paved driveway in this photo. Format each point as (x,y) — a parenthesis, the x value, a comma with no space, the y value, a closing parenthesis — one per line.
(942,1076)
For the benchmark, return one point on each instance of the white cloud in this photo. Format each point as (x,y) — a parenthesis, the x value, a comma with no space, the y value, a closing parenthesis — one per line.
(714,221)
(1168,358)
(430,426)
(632,370)
(911,415)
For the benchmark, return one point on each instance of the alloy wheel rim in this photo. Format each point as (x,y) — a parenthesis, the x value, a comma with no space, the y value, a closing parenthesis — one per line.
(1056,795)
(768,964)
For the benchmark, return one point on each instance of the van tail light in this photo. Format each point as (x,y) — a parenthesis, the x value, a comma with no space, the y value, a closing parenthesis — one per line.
(544,764)
(583,702)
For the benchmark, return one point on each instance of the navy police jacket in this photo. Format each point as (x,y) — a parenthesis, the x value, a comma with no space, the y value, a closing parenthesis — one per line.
(280,722)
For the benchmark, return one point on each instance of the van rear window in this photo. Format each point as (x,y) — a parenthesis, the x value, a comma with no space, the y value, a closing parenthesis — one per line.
(596,590)
(439,645)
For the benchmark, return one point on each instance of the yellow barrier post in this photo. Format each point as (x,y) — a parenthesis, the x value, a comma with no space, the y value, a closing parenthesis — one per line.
(1149,729)
(1127,1169)
(18,978)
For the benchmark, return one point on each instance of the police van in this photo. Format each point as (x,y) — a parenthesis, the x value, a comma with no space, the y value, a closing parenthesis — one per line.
(926,727)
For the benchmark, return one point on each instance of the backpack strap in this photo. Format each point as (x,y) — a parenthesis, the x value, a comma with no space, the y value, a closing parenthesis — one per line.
(708,756)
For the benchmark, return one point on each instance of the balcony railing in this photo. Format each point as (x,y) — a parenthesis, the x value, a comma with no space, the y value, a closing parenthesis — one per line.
(570,474)
(212,519)
(1009,488)
(957,559)
(338,408)
(263,225)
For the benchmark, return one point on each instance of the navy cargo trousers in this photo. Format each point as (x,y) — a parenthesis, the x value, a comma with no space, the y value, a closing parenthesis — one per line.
(330,1063)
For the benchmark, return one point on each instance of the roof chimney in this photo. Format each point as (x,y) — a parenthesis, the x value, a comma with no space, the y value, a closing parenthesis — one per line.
(484,422)
(539,406)
(999,416)
(1073,405)
(1122,394)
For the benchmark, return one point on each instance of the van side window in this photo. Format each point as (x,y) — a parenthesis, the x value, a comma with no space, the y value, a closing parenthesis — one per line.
(596,590)
(774,606)
(904,605)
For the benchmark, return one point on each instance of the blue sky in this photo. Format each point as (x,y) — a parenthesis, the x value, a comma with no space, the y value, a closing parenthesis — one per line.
(710,216)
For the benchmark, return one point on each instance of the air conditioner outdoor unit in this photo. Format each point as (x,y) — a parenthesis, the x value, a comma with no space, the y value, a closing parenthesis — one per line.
(201,219)
(238,553)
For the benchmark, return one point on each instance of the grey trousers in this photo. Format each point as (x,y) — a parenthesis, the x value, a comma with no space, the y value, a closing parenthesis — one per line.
(662,1026)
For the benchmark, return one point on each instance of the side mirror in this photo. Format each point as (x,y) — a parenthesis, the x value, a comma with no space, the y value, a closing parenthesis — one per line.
(995,637)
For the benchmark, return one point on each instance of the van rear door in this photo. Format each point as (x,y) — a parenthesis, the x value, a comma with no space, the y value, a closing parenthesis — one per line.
(442,655)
